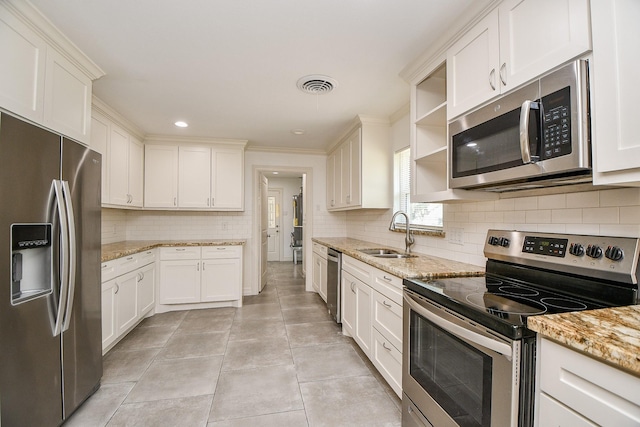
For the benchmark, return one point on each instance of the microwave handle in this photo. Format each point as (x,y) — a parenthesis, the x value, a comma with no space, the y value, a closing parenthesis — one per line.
(525,152)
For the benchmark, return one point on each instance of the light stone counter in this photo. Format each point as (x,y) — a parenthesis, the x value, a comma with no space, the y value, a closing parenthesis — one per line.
(424,267)
(609,334)
(129,247)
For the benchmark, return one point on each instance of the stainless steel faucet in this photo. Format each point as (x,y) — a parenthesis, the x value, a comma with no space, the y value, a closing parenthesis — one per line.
(408,240)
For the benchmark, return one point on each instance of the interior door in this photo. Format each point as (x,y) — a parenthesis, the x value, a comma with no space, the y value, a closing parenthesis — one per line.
(264,230)
(274,219)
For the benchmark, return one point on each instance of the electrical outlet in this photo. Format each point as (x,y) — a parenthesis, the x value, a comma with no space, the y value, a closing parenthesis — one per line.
(455,235)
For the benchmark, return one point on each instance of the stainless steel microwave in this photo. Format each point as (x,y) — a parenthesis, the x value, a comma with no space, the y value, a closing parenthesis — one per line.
(536,136)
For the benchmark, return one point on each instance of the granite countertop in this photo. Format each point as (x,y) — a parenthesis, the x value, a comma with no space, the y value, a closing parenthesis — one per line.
(129,247)
(609,334)
(424,267)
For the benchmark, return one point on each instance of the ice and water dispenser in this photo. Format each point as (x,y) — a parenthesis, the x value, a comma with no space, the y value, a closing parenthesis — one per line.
(31,262)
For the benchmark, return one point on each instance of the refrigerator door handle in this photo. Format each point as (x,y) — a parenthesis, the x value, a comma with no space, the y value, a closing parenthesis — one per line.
(72,255)
(64,255)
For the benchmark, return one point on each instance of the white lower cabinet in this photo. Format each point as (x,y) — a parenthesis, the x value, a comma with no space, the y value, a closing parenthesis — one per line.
(197,275)
(319,270)
(372,315)
(574,389)
(128,295)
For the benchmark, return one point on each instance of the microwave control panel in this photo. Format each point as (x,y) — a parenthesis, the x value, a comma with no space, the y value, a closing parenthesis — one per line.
(556,124)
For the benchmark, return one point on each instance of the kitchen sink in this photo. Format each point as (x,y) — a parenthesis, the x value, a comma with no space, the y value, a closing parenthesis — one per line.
(386,253)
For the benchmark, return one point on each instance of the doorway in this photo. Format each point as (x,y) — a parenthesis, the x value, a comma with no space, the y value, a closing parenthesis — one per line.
(265,179)
(274,219)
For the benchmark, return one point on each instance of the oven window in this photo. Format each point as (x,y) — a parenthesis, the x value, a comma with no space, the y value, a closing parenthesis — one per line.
(455,374)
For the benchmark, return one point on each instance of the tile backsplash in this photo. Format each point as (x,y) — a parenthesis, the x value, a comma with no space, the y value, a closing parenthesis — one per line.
(605,212)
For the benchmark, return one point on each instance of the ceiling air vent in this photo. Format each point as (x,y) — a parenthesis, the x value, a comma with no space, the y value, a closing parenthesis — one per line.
(317,84)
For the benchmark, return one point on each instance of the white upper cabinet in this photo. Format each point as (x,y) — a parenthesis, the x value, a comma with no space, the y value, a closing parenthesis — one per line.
(182,175)
(67,99)
(122,157)
(45,78)
(160,176)
(22,68)
(359,169)
(615,91)
(516,42)
(227,179)
(194,177)
(99,142)
(472,67)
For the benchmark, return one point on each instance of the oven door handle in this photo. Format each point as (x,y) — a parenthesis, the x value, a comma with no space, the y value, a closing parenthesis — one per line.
(459,331)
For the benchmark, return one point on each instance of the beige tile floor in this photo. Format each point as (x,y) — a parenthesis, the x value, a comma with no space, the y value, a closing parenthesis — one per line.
(278,361)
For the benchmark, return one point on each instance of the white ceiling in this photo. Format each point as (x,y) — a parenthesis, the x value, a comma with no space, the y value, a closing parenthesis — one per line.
(229,67)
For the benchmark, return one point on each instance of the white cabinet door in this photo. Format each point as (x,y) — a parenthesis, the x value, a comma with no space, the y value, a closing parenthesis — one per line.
(160,176)
(146,294)
(345,173)
(22,68)
(323,279)
(194,182)
(100,143)
(362,327)
(179,281)
(220,280)
(348,295)
(109,332)
(67,99)
(473,67)
(355,168)
(227,179)
(615,91)
(136,172)
(553,413)
(126,301)
(332,183)
(316,273)
(539,35)
(118,154)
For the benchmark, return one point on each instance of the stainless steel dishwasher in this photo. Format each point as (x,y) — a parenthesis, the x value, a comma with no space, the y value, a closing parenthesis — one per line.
(334,267)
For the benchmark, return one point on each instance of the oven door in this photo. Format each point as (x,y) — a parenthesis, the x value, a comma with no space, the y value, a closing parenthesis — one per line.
(456,372)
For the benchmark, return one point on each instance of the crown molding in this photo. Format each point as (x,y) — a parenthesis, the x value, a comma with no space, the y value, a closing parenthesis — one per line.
(106,110)
(28,14)
(287,150)
(173,139)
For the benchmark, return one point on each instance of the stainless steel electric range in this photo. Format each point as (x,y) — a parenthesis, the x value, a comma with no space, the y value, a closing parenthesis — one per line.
(469,358)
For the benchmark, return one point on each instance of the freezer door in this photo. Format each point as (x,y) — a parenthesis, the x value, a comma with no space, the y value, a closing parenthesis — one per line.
(30,372)
(82,341)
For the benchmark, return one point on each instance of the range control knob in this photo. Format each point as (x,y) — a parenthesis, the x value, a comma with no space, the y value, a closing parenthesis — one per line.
(614,253)
(493,241)
(576,249)
(503,241)
(594,251)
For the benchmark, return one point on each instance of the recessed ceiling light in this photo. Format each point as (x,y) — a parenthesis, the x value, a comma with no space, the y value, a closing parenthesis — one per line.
(275,173)
(181,124)
(298,131)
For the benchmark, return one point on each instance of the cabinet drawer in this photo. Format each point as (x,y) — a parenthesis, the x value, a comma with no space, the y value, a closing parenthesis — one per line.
(599,392)
(210,252)
(146,257)
(108,270)
(356,268)
(553,413)
(388,285)
(387,318)
(388,360)
(181,252)
(320,250)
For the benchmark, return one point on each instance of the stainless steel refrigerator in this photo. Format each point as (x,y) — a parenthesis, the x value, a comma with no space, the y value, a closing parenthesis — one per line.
(50,327)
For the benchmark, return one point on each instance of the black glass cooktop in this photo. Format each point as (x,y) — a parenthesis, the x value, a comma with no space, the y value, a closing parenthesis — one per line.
(499,304)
